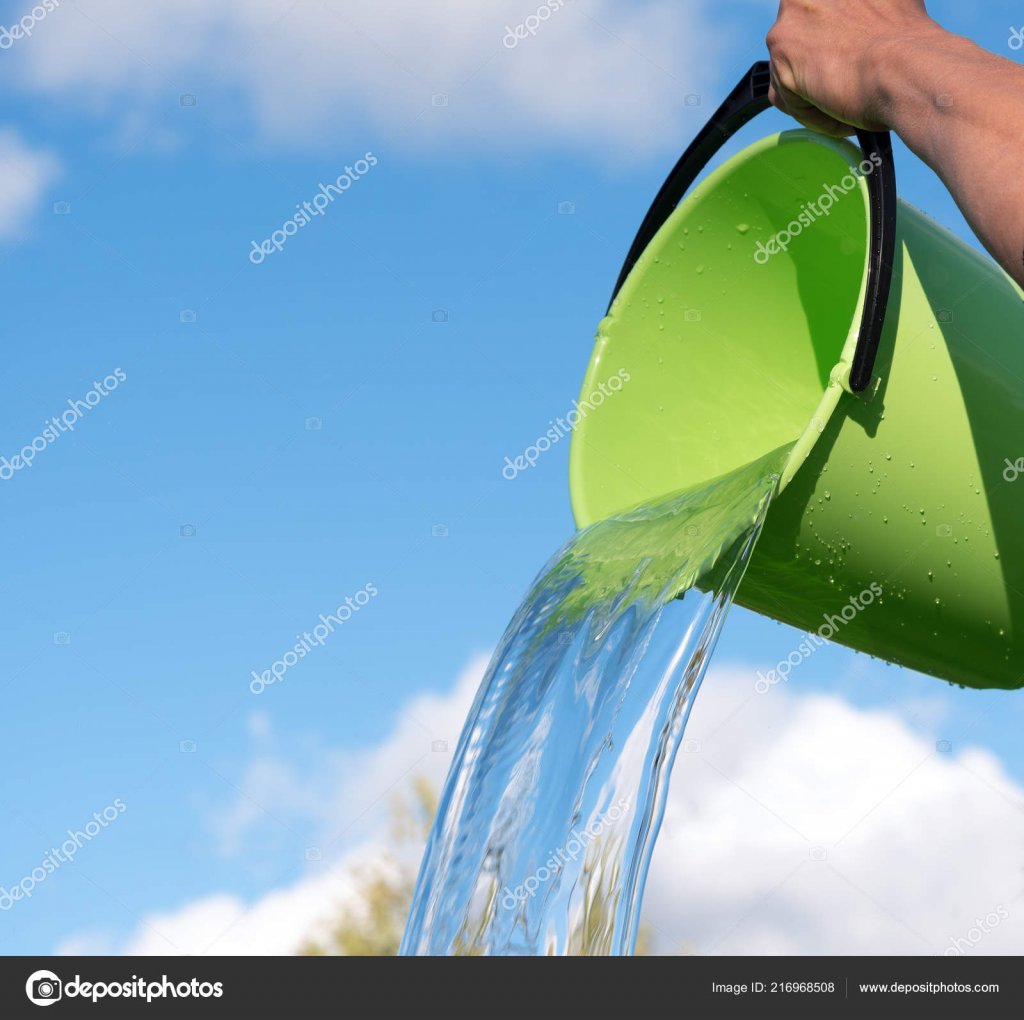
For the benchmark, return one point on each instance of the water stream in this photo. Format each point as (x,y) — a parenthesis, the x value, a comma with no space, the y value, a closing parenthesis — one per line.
(547,822)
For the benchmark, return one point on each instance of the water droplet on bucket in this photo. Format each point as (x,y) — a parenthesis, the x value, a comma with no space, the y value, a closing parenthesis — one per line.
(742,227)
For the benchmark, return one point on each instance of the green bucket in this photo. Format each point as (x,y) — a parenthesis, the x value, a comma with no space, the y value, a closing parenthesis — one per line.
(755,314)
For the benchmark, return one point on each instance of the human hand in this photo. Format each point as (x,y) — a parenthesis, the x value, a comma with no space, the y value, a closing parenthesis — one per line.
(825,56)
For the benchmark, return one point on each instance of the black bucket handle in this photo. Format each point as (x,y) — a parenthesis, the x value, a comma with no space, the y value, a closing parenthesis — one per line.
(749,98)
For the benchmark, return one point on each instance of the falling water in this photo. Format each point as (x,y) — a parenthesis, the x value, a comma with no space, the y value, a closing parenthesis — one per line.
(548,819)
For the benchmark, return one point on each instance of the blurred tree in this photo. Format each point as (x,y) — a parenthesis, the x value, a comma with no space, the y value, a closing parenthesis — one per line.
(375,927)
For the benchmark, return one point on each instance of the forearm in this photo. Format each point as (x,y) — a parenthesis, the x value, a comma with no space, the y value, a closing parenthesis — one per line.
(961,110)
(877,64)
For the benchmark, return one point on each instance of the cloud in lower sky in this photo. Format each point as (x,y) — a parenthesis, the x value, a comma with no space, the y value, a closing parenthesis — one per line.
(796,824)
(335,797)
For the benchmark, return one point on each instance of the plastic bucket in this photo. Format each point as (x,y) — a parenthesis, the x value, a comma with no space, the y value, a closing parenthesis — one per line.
(899,530)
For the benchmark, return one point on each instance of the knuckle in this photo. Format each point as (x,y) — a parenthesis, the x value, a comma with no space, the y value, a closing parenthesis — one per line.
(775,40)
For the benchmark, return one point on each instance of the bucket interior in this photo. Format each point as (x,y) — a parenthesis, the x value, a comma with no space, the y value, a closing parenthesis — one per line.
(724,342)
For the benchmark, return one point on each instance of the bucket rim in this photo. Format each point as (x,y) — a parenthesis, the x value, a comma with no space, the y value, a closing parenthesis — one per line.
(839,376)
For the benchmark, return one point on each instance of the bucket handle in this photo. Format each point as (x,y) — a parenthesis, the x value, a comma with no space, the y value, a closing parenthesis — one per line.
(749,98)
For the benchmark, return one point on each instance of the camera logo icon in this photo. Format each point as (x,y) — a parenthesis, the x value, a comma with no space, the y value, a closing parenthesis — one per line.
(43,988)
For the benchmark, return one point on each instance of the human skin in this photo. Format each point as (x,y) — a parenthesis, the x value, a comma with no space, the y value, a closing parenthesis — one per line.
(837,65)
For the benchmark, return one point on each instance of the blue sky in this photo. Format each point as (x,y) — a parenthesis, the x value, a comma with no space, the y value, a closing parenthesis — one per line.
(336,416)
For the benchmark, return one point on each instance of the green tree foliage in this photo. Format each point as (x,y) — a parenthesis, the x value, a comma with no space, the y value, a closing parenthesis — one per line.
(375,929)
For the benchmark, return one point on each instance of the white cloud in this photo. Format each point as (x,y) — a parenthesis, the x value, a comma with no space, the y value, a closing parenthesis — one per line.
(25,175)
(337,798)
(605,77)
(918,844)
(352,787)
(278,924)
